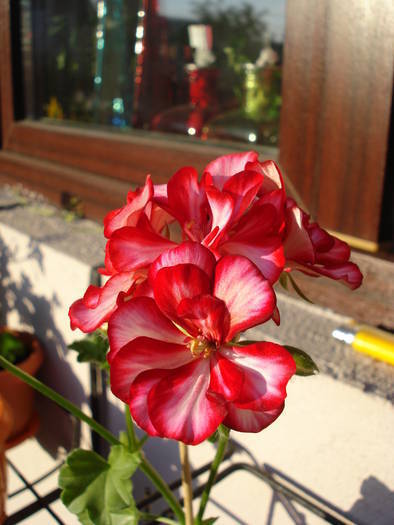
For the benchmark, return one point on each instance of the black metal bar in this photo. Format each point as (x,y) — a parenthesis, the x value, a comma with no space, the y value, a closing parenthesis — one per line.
(335,518)
(272,471)
(35,482)
(39,504)
(322,509)
(98,389)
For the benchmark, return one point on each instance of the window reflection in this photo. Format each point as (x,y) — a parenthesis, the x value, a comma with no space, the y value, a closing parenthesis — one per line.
(205,70)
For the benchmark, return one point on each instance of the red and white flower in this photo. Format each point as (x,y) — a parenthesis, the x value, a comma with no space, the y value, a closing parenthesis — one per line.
(237,208)
(148,220)
(314,251)
(173,359)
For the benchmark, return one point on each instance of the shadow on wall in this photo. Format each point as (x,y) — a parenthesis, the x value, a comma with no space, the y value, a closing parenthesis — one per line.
(35,314)
(376,504)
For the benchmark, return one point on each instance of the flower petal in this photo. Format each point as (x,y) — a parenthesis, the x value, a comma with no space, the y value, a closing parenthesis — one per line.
(339,252)
(249,297)
(226,377)
(244,420)
(108,266)
(132,248)
(222,207)
(159,218)
(138,403)
(98,304)
(273,179)
(140,355)
(139,317)
(243,188)
(226,166)
(179,407)
(128,215)
(261,220)
(267,255)
(348,273)
(205,316)
(322,241)
(185,253)
(276,316)
(176,283)
(188,203)
(297,243)
(267,369)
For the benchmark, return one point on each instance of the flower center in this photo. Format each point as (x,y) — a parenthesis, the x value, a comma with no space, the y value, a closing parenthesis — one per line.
(201,347)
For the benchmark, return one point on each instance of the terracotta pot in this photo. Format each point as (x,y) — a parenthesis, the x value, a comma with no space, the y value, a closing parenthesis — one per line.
(18,394)
(6,424)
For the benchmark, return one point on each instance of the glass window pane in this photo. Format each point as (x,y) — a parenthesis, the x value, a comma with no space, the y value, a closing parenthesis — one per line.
(205,70)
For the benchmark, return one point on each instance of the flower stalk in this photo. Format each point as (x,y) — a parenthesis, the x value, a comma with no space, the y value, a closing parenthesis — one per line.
(224,434)
(132,439)
(187,487)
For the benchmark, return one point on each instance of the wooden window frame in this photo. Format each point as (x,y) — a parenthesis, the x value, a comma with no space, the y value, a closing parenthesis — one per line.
(342,192)
(97,165)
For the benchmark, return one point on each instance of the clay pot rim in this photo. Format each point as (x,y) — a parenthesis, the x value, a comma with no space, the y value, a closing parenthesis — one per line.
(34,360)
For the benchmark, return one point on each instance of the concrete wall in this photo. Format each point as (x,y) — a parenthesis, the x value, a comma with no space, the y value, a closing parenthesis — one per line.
(333,438)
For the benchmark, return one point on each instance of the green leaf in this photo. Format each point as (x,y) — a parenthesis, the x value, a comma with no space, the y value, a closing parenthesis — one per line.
(244,343)
(92,349)
(99,492)
(214,437)
(209,521)
(283,280)
(298,290)
(304,363)
(12,348)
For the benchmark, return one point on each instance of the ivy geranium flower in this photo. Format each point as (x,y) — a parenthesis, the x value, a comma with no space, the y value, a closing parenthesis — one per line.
(238,207)
(313,251)
(174,358)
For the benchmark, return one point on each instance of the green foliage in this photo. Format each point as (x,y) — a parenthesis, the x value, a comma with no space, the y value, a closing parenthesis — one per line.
(12,348)
(283,281)
(239,34)
(99,492)
(304,363)
(297,289)
(92,349)
(214,437)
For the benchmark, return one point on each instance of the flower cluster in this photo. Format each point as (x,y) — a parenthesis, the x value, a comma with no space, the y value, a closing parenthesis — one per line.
(175,306)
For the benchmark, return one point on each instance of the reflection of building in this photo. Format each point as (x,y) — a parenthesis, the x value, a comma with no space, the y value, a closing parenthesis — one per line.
(154,68)
(332,144)
(50,31)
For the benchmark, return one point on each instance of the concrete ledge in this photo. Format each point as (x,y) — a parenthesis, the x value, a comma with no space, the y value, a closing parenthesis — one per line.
(303,325)
(334,437)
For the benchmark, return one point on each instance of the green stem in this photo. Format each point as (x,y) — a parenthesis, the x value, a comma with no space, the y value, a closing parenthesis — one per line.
(60,400)
(133,444)
(163,488)
(145,466)
(223,439)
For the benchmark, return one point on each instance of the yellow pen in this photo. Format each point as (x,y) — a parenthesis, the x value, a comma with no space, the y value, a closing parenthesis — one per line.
(368,340)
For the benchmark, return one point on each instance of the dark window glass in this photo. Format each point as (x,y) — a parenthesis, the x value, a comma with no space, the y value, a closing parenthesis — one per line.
(209,70)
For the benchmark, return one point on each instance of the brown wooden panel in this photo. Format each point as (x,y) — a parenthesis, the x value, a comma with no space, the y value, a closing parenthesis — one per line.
(337,91)
(128,157)
(6,100)
(98,194)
